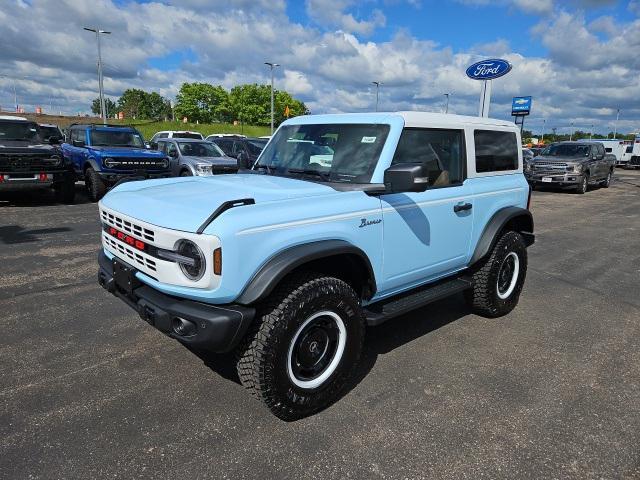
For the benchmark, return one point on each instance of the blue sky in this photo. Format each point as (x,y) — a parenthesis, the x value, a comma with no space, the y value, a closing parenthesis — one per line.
(575,57)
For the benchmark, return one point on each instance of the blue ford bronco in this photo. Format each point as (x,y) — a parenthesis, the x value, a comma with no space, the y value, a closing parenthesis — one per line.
(287,264)
(102,155)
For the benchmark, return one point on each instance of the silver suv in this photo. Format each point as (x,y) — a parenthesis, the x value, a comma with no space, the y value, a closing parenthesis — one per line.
(192,157)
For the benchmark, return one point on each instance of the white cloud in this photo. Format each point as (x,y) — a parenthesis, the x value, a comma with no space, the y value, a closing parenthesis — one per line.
(583,79)
(332,13)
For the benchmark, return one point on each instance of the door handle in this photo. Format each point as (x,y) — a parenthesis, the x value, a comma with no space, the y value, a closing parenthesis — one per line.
(461,207)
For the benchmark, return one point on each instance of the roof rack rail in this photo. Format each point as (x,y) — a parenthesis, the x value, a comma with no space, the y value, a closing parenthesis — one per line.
(93,125)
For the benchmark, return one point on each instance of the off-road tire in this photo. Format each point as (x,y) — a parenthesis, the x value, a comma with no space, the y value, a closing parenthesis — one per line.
(96,188)
(583,186)
(607,181)
(265,353)
(186,173)
(483,297)
(65,191)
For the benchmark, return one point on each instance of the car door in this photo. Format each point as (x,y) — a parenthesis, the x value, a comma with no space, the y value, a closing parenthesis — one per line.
(427,234)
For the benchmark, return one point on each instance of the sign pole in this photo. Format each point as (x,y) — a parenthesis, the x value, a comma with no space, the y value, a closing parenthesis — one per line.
(485,99)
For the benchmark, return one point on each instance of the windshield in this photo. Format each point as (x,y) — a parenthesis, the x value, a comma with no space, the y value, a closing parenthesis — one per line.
(256,146)
(199,149)
(19,131)
(567,150)
(337,153)
(187,135)
(116,138)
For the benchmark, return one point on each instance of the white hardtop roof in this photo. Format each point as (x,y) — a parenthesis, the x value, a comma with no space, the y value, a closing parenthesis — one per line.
(11,117)
(410,119)
(426,119)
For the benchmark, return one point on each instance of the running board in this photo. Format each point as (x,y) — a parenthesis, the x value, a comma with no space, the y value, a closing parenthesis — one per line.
(384,310)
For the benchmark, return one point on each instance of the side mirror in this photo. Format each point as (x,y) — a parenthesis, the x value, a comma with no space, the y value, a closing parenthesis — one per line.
(243,162)
(78,143)
(173,154)
(405,178)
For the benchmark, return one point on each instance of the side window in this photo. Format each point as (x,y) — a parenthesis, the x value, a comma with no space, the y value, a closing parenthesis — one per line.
(225,146)
(77,134)
(162,147)
(164,135)
(495,151)
(238,148)
(608,150)
(441,152)
(600,149)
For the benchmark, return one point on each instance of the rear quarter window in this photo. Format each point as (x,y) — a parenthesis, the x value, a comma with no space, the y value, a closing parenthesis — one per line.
(495,151)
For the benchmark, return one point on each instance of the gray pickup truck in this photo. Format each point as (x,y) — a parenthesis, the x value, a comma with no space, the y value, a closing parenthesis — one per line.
(571,164)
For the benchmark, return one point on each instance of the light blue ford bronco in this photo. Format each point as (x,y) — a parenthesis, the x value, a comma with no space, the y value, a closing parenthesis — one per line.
(344,222)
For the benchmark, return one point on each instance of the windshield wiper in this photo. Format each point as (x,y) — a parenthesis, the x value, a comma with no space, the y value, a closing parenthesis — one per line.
(265,167)
(310,171)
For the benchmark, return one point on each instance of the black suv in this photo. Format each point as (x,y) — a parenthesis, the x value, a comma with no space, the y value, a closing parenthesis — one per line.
(244,149)
(28,162)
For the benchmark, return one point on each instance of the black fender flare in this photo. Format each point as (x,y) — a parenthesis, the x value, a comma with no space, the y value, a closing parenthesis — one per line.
(91,162)
(521,220)
(284,262)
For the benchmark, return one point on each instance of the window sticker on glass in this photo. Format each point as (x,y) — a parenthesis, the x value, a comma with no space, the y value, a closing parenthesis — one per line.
(368,140)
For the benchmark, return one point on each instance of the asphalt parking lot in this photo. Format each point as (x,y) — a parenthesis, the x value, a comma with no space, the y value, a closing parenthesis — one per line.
(87,390)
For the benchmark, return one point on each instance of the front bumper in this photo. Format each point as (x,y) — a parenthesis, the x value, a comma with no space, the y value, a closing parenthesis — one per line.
(17,181)
(555,179)
(216,328)
(111,178)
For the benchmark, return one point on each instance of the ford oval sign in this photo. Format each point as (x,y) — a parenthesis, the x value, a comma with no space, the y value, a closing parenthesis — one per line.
(488,69)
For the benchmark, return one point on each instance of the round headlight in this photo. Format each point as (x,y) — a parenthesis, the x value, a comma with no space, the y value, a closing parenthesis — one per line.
(109,162)
(194,270)
(165,163)
(56,160)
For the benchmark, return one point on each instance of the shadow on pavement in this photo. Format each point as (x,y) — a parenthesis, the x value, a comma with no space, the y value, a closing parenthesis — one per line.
(14,234)
(379,340)
(42,197)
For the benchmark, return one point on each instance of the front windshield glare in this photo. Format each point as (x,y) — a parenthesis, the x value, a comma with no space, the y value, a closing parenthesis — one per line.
(18,131)
(199,149)
(116,138)
(567,151)
(329,152)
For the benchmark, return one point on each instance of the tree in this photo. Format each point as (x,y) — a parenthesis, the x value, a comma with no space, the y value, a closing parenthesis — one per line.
(109,105)
(202,102)
(133,103)
(282,100)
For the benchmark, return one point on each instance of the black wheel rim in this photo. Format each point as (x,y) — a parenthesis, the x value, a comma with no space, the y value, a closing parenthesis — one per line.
(314,348)
(506,274)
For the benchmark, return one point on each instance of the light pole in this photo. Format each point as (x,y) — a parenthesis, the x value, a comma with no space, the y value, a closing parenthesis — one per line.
(591,133)
(97,31)
(15,93)
(272,66)
(615,128)
(544,121)
(377,84)
(571,132)
(446,108)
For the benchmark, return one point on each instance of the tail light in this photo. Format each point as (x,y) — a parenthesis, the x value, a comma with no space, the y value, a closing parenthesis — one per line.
(43,177)
(1,178)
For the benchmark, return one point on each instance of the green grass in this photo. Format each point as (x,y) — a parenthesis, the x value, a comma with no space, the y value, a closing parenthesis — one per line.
(148,129)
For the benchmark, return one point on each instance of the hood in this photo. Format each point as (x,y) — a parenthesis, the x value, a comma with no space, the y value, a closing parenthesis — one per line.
(26,146)
(128,152)
(219,161)
(185,203)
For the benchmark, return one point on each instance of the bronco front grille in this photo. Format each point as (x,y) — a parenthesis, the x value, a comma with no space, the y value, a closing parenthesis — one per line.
(128,227)
(131,254)
(21,162)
